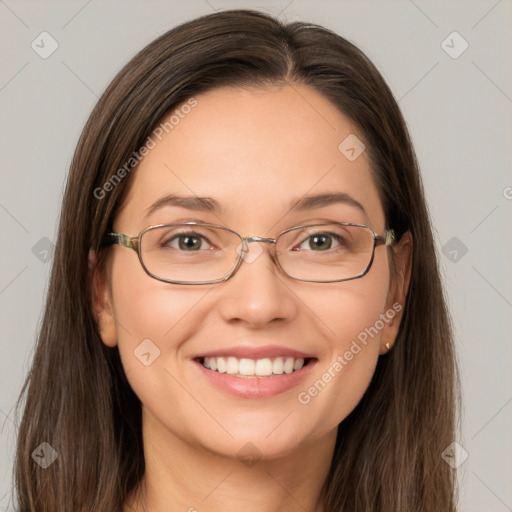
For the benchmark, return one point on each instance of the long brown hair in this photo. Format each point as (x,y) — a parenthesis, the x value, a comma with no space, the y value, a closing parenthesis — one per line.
(76,396)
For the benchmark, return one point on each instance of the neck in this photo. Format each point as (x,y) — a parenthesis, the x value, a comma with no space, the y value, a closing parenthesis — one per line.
(186,478)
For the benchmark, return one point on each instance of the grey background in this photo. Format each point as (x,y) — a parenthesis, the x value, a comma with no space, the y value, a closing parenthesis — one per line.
(459,114)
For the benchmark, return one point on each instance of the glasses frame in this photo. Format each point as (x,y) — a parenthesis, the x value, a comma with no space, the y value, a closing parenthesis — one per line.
(134,243)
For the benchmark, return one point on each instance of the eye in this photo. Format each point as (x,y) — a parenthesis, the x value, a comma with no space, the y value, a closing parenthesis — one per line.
(322,242)
(190,242)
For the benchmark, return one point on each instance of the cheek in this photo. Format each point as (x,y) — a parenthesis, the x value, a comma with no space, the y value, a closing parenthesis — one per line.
(351,313)
(350,308)
(151,318)
(154,321)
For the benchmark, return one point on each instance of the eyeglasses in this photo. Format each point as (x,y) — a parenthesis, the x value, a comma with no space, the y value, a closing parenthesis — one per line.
(201,253)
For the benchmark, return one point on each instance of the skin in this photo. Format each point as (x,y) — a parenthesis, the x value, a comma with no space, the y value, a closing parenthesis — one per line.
(253,151)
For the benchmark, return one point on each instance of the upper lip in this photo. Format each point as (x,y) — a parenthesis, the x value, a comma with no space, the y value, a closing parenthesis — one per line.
(252,352)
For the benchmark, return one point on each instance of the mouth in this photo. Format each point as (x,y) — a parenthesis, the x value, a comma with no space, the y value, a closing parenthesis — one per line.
(250,371)
(254,368)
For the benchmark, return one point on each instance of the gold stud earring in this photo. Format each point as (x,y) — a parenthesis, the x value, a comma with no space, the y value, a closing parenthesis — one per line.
(388,346)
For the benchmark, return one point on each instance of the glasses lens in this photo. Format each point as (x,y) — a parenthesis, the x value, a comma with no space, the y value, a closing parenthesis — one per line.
(327,252)
(189,253)
(203,253)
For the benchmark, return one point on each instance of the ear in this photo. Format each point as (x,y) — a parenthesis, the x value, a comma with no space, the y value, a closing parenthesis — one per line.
(102,302)
(402,255)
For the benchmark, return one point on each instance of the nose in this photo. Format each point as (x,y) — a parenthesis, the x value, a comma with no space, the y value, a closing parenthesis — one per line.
(259,292)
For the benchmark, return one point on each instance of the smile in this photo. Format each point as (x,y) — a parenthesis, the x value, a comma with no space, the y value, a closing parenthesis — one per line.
(245,367)
(255,371)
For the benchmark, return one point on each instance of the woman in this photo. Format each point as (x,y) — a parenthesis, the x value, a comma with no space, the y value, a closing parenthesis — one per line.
(236,315)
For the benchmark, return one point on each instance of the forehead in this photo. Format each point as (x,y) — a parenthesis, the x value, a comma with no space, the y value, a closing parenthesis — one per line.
(253,151)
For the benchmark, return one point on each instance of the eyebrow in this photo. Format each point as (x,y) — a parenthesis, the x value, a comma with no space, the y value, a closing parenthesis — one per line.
(321,200)
(208,204)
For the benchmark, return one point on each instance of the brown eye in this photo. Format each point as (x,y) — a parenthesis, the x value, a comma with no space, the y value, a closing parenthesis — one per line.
(321,242)
(186,242)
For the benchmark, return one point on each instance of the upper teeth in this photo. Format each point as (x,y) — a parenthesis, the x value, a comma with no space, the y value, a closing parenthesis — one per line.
(258,367)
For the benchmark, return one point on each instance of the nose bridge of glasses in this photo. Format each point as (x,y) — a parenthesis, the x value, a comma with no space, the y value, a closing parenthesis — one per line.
(244,248)
(249,239)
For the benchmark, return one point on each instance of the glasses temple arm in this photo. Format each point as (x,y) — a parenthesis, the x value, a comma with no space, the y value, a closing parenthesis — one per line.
(123,240)
(388,238)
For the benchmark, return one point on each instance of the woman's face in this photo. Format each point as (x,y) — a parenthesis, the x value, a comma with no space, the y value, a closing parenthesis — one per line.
(255,153)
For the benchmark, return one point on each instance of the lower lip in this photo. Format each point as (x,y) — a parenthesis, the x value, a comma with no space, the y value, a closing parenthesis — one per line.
(256,387)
